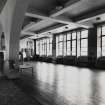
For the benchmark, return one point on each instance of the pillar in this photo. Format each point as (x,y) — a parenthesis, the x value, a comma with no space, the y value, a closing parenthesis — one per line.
(34,47)
(12,18)
(54,47)
(92,46)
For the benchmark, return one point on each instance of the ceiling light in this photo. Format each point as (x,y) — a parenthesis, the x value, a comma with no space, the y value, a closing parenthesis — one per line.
(66,27)
(98,18)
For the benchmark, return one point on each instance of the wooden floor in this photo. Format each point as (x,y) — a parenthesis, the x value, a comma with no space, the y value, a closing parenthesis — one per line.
(63,85)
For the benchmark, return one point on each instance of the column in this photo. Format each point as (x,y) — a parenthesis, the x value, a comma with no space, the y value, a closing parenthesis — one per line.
(54,48)
(12,18)
(92,46)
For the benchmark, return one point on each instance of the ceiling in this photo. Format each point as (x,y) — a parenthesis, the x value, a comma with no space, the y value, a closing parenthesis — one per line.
(44,16)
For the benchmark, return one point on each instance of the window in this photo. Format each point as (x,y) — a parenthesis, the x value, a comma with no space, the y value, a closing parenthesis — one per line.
(64,45)
(84,43)
(37,47)
(101,41)
(59,45)
(44,46)
(74,43)
(68,43)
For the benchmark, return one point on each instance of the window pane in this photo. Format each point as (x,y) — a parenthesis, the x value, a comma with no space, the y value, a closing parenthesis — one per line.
(84,53)
(68,47)
(98,31)
(69,36)
(74,35)
(84,34)
(103,51)
(56,49)
(61,38)
(50,51)
(50,40)
(74,43)
(60,48)
(64,48)
(103,41)
(84,43)
(64,37)
(78,43)
(73,51)
(103,30)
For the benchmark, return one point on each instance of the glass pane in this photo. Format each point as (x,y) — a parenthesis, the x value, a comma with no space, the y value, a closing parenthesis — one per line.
(64,37)
(83,53)
(73,51)
(98,31)
(84,34)
(84,43)
(74,43)
(61,38)
(98,51)
(74,35)
(68,47)
(103,41)
(50,40)
(50,51)
(78,35)
(69,36)
(64,48)
(68,44)
(103,30)
(103,51)
(60,48)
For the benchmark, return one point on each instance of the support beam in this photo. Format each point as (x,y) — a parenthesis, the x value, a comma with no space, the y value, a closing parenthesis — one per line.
(59,19)
(27,33)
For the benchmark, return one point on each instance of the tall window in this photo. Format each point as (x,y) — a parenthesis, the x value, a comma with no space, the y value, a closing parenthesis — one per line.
(68,43)
(101,41)
(64,45)
(57,48)
(74,43)
(44,46)
(84,43)
(37,47)
(59,45)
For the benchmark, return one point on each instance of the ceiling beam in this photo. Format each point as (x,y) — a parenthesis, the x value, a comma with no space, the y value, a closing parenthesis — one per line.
(58,19)
(27,33)
(50,28)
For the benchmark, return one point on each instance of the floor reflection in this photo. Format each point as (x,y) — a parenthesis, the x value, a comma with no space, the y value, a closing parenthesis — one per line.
(67,85)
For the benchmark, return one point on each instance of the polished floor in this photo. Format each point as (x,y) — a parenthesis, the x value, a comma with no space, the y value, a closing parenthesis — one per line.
(11,94)
(63,85)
